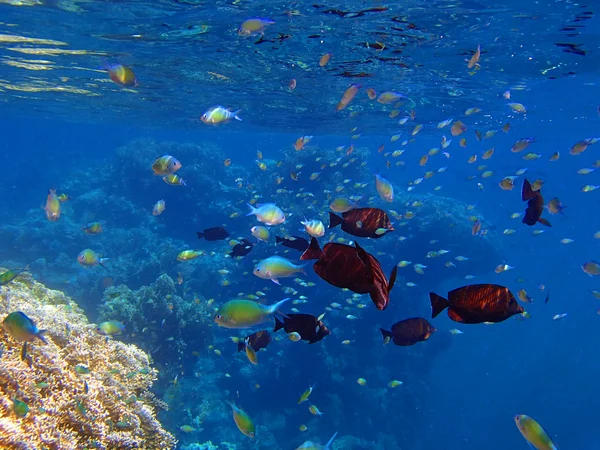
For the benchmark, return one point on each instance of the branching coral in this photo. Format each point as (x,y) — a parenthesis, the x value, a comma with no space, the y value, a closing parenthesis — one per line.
(71,409)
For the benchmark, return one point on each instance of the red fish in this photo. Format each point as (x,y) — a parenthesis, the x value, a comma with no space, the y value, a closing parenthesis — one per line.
(477,303)
(409,331)
(363,222)
(351,268)
(535,205)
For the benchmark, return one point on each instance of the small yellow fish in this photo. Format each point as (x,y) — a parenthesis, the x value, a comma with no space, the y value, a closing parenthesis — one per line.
(261,233)
(250,353)
(159,207)
(174,180)
(384,188)
(503,267)
(242,420)
(524,296)
(314,410)
(517,107)
(120,74)
(52,207)
(92,228)
(188,255)
(165,165)
(218,114)
(533,433)
(314,228)
(306,394)
(294,336)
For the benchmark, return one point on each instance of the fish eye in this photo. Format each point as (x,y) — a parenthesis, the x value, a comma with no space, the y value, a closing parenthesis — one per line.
(252,434)
(218,316)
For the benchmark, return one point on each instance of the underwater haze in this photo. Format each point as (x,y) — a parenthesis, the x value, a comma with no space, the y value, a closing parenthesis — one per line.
(179,167)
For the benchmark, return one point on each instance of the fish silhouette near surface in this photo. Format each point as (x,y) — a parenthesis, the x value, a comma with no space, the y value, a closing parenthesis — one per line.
(535,205)
(477,303)
(363,222)
(352,268)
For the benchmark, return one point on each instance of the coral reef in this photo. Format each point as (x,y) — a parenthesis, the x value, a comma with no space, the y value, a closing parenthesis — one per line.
(101,407)
(168,323)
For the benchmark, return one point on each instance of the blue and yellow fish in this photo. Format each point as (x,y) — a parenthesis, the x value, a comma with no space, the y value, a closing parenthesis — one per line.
(22,328)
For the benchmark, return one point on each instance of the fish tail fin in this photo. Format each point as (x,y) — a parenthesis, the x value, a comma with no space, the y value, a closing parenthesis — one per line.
(101,261)
(235,115)
(438,304)
(276,308)
(278,240)
(313,251)
(302,268)
(393,275)
(386,334)
(241,346)
(278,325)
(200,234)
(334,220)
(544,222)
(327,447)
(232,404)
(40,335)
(105,64)
(527,193)
(252,210)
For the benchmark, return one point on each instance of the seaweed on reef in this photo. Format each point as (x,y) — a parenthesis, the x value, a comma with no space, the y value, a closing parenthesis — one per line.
(68,409)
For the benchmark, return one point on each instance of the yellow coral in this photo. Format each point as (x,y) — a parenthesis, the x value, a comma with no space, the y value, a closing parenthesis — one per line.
(103,409)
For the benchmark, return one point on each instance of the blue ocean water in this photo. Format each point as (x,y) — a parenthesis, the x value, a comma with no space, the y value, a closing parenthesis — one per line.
(68,126)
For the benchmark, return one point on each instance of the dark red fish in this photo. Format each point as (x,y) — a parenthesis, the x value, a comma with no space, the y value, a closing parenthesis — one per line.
(477,303)
(295,242)
(363,222)
(307,326)
(213,234)
(351,268)
(535,205)
(409,331)
(260,339)
(241,249)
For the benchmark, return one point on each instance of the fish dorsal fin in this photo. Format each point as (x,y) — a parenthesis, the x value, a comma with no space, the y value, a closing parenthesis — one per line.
(527,193)
(362,255)
(313,251)
(393,275)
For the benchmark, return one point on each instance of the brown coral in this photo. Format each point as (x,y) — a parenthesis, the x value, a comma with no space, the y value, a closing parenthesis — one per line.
(68,410)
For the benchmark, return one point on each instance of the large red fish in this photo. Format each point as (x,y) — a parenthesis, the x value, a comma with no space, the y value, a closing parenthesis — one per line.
(477,303)
(535,205)
(352,268)
(363,222)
